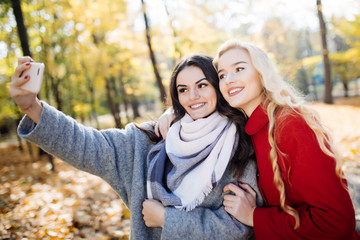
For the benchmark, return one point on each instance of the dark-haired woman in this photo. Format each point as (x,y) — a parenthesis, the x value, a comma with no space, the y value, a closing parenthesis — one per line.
(131,163)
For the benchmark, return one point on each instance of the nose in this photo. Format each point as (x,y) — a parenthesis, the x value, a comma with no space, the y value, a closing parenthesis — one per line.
(194,94)
(230,77)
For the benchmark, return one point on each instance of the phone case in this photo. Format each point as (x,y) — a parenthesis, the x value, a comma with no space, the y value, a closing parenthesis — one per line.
(36,73)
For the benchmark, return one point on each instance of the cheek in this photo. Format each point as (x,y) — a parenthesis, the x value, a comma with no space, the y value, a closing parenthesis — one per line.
(256,81)
(213,97)
(214,102)
(222,89)
(258,86)
(182,101)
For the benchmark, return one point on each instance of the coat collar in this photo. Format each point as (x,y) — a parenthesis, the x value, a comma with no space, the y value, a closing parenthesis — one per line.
(257,120)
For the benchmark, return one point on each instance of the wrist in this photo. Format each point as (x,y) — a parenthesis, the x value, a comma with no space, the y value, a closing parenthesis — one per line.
(162,216)
(252,217)
(34,111)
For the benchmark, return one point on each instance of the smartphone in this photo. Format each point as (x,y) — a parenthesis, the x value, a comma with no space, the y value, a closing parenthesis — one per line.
(36,73)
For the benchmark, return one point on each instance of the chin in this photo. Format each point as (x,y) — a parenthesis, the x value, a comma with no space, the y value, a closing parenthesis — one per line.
(232,104)
(235,104)
(196,117)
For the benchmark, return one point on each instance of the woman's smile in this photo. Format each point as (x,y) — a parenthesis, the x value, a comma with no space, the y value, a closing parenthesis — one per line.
(196,94)
(197,105)
(234,91)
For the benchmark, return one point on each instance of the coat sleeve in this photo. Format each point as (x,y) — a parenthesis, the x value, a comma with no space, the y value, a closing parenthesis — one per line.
(210,220)
(313,189)
(202,223)
(108,154)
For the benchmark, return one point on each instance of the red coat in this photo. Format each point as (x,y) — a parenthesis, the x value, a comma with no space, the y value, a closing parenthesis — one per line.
(312,186)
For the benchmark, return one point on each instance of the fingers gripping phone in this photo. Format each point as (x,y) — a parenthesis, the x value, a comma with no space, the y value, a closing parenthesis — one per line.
(36,73)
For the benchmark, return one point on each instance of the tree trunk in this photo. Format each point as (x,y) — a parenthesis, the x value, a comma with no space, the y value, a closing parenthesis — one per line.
(345,85)
(56,92)
(135,108)
(26,52)
(22,32)
(152,56)
(21,27)
(93,114)
(122,91)
(93,108)
(114,108)
(21,147)
(327,77)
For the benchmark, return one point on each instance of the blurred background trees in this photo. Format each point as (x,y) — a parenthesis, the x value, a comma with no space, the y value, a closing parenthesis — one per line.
(97,57)
(106,66)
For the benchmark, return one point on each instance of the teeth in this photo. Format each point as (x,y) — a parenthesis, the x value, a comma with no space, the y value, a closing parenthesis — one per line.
(197,105)
(235,90)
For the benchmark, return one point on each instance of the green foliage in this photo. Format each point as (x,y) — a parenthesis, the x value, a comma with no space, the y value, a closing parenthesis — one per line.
(346,62)
(8,115)
(84,43)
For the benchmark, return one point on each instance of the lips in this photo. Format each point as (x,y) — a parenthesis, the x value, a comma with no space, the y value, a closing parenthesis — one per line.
(235,90)
(197,105)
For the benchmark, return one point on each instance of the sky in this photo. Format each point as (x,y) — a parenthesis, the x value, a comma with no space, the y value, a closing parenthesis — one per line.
(300,13)
(303,13)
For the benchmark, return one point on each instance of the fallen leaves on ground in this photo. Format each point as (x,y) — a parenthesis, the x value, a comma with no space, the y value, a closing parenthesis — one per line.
(343,121)
(36,203)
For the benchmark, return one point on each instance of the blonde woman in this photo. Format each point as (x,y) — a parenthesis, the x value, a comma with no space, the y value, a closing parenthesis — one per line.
(300,176)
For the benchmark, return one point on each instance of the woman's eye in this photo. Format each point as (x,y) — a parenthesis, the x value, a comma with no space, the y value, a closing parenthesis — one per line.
(239,69)
(221,76)
(182,90)
(202,85)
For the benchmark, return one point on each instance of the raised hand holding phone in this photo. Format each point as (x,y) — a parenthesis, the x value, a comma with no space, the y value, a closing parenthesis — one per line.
(35,72)
(26,98)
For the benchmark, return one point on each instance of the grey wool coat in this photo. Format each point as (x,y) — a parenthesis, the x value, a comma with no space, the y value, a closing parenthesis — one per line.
(118,156)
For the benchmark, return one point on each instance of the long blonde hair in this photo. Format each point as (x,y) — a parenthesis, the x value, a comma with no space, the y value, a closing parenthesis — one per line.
(279,95)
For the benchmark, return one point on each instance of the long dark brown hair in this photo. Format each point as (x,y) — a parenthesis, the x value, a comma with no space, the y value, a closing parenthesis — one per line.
(244,151)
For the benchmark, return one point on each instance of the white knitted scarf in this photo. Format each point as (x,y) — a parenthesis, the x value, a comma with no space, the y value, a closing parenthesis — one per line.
(199,152)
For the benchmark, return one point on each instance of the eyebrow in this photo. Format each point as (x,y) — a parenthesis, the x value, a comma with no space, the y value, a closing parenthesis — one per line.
(183,85)
(234,64)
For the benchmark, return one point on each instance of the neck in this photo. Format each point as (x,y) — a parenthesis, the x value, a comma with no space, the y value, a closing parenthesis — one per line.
(250,108)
